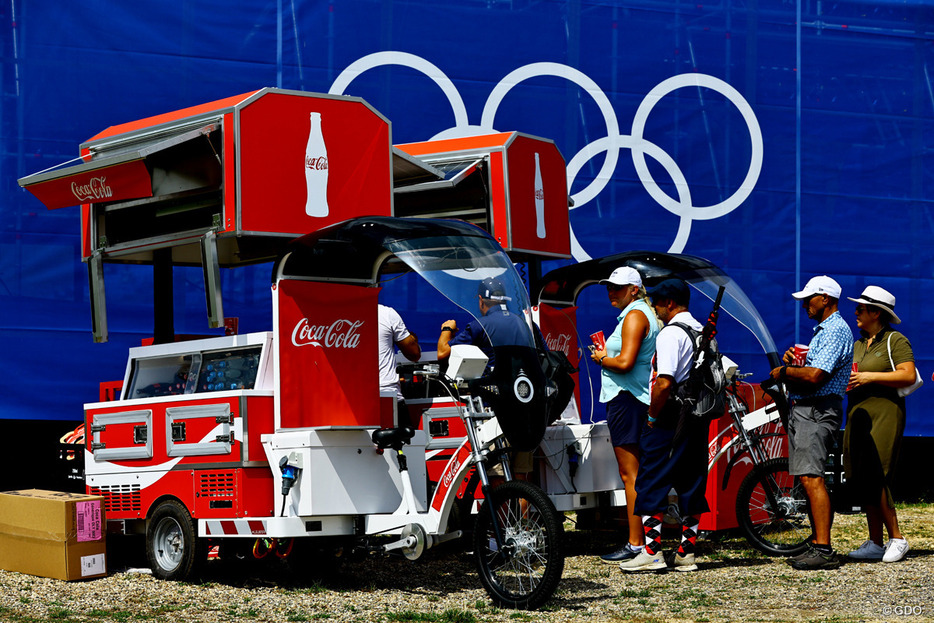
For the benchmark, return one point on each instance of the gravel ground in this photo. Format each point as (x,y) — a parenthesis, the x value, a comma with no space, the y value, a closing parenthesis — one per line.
(733,583)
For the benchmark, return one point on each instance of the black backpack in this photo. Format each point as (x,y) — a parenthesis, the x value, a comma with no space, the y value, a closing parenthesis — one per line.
(702,394)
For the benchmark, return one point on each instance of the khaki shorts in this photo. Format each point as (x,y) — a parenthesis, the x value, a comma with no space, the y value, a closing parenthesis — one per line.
(810,434)
(521,464)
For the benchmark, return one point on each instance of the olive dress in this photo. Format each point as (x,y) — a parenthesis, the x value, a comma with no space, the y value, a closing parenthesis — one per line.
(875,419)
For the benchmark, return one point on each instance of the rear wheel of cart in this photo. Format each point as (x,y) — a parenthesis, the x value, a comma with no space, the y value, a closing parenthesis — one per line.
(525,572)
(772,508)
(172,547)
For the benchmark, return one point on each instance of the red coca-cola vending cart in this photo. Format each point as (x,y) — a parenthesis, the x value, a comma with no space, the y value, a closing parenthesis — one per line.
(224,184)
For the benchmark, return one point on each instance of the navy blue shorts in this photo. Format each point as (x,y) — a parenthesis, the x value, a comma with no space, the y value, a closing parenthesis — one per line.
(624,417)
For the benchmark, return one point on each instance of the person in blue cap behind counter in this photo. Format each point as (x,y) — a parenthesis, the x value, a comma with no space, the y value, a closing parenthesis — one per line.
(497,324)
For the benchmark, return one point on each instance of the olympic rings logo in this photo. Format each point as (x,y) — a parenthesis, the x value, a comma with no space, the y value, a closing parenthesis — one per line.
(681,206)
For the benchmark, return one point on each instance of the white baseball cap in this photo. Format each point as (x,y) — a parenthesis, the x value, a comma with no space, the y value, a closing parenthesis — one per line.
(820,285)
(878,297)
(624,276)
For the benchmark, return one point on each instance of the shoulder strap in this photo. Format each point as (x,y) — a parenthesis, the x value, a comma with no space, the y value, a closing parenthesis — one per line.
(692,334)
(888,345)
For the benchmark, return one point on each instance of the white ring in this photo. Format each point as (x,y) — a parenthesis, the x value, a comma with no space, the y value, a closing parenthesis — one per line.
(755,136)
(558,70)
(661,156)
(417,63)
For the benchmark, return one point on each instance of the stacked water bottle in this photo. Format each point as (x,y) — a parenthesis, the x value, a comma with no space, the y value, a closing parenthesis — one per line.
(229,374)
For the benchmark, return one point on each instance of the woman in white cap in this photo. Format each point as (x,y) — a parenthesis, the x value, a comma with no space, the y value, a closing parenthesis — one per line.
(876,419)
(626,367)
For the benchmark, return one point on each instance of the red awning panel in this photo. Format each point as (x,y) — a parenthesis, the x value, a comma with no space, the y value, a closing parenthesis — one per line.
(114,182)
(117,172)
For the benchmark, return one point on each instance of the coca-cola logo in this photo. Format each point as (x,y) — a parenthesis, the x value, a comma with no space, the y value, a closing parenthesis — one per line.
(341,333)
(449,475)
(560,342)
(95,189)
(316,163)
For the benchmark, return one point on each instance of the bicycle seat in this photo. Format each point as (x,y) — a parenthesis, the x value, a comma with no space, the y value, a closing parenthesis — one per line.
(393,438)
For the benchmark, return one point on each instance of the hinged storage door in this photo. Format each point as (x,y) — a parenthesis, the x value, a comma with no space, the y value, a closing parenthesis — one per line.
(199,430)
(121,436)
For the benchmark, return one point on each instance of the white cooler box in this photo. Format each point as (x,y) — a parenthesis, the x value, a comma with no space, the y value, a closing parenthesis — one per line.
(597,469)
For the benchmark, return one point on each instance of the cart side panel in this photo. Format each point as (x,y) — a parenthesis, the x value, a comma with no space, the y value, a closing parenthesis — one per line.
(327,369)
(274,152)
(538,200)
(559,328)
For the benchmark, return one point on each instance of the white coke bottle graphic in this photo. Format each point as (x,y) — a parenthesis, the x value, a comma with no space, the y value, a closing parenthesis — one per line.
(316,170)
(539,200)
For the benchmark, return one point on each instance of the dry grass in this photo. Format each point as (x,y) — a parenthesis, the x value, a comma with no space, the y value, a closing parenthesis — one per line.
(734,583)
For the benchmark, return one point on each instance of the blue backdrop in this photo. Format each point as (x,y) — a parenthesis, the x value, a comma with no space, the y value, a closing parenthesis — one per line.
(779,139)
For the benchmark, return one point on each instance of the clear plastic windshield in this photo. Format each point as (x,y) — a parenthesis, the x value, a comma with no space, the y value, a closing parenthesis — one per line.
(477,276)
(736,304)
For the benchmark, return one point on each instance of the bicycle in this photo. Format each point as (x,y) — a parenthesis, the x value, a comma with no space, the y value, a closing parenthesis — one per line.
(772,507)
(517,533)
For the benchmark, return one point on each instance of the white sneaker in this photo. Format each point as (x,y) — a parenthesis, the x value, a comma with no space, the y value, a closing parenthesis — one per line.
(895,550)
(680,562)
(868,551)
(644,562)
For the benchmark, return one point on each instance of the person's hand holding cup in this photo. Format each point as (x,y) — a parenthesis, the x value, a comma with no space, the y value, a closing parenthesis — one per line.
(800,354)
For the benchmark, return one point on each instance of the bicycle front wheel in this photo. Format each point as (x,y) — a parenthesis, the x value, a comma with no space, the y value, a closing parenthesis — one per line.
(772,508)
(525,571)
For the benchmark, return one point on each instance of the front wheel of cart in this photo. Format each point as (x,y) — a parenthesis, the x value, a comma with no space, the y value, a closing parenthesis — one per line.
(173,548)
(525,571)
(772,508)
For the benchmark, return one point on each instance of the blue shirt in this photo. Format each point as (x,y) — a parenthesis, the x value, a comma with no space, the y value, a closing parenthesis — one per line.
(498,326)
(636,381)
(831,350)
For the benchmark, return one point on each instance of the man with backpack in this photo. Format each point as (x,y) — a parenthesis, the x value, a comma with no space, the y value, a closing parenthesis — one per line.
(672,456)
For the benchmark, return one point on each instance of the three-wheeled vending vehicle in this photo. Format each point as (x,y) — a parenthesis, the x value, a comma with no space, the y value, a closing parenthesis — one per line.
(283,434)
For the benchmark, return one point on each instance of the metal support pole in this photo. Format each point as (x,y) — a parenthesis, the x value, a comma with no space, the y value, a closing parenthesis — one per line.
(163,297)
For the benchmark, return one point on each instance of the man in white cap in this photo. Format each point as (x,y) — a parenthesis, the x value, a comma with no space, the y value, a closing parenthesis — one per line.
(816,392)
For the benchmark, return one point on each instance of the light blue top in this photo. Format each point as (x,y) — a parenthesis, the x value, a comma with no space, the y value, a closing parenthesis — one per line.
(636,381)
(831,350)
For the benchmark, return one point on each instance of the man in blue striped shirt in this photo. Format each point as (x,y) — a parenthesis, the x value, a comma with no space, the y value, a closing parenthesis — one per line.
(816,391)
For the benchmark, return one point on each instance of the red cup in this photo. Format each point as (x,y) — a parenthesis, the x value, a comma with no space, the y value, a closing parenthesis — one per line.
(855,368)
(801,353)
(598,340)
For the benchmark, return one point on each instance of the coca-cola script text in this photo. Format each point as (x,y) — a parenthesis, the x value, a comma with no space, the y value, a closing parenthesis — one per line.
(341,333)
(96,188)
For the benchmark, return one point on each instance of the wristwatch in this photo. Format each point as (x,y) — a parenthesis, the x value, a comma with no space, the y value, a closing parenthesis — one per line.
(447,329)
(601,360)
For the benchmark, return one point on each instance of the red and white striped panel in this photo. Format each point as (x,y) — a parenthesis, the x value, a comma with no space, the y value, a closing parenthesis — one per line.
(235,527)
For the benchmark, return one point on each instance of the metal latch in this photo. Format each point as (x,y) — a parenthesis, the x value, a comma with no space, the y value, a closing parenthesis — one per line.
(98,428)
(439,428)
(97,446)
(178,431)
(140,434)
(224,419)
(225,438)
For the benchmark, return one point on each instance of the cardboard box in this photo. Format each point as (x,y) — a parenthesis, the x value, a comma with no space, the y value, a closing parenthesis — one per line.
(53,534)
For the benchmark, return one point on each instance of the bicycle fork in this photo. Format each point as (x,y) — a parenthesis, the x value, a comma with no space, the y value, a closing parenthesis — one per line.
(474,407)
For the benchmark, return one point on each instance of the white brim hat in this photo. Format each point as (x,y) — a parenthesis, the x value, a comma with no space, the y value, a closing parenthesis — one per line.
(624,276)
(820,285)
(878,297)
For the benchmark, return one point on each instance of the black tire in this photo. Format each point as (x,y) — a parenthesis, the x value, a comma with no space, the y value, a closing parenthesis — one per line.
(173,548)
(784,528)
(526,573)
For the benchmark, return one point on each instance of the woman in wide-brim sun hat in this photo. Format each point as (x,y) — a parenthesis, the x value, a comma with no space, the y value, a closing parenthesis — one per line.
(876,420)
